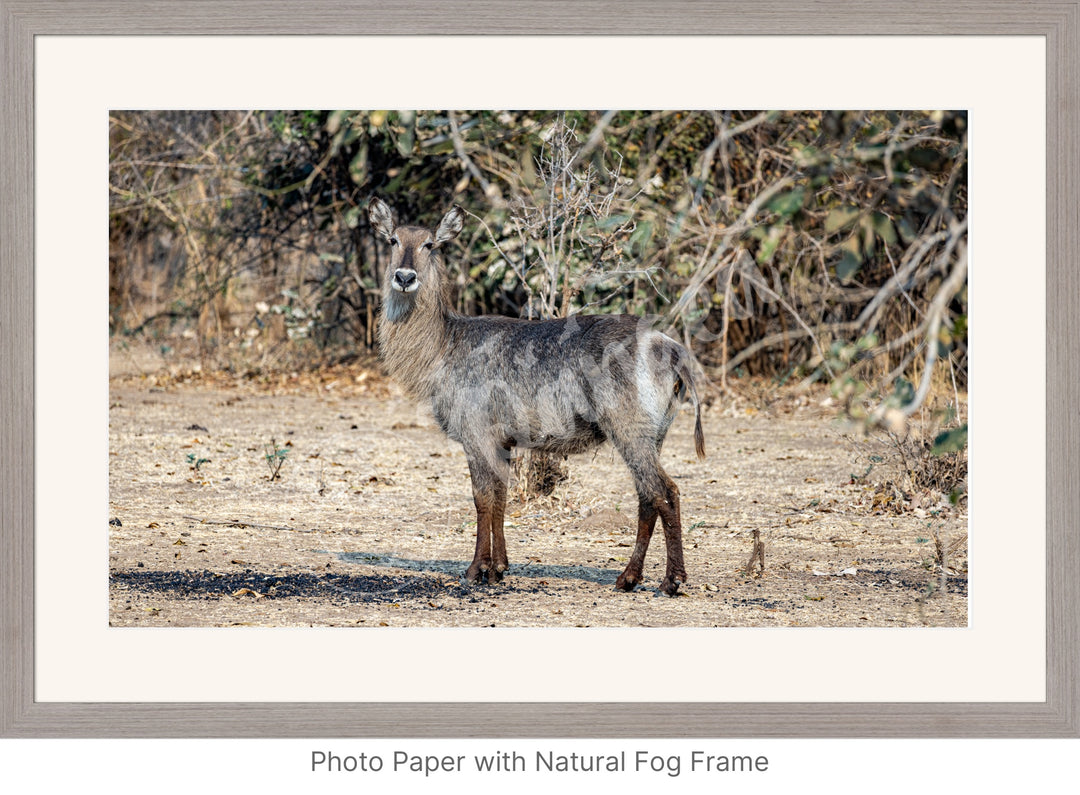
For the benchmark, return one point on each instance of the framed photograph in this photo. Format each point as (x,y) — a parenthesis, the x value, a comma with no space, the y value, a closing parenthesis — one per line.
(216,528)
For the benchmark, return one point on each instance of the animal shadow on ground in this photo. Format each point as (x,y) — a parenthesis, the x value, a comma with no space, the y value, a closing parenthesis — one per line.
(455,568)
(370,588)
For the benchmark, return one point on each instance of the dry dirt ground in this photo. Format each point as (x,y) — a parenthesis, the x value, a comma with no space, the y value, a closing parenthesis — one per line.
(370,520)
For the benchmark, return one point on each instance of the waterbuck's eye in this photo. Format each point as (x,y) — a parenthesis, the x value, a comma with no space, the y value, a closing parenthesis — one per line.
(393,241)
(429,245)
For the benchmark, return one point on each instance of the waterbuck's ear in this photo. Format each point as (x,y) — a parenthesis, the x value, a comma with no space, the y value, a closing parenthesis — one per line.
(450,225)
(382,220)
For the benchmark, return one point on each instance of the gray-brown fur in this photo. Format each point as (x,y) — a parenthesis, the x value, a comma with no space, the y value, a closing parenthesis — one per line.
(562,386)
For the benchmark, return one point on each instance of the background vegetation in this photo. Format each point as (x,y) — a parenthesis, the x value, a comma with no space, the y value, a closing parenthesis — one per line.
(782,247)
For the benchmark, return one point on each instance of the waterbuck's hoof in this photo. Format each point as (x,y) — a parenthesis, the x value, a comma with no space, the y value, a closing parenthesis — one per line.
(480,573)
(627,583)
(670,585)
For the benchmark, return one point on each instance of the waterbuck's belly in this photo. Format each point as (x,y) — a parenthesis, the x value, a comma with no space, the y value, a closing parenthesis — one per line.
(497,418)
(579,436)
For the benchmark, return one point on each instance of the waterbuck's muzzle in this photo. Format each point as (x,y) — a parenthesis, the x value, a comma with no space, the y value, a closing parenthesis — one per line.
(404,280)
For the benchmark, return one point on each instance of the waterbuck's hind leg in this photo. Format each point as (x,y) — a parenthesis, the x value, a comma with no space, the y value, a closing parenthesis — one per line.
(657,496)
(631,576)
(672,521)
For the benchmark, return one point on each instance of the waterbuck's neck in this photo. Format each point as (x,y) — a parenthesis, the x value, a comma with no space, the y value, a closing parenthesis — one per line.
(413,336)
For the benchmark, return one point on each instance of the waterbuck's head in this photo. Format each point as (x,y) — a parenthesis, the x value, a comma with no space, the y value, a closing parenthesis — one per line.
(415,258)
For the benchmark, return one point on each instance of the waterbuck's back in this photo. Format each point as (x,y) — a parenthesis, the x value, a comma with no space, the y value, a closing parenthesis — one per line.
(560,385)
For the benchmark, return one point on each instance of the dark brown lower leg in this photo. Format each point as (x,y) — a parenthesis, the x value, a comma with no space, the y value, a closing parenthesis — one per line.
(499,561)
(672,521)
(489,469)
(631,576)
(482,558)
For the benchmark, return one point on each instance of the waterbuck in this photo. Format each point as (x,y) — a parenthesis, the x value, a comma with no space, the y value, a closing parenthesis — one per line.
(561,386)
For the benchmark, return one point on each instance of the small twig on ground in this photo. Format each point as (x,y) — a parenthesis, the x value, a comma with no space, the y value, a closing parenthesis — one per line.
(242,524)
(758,554)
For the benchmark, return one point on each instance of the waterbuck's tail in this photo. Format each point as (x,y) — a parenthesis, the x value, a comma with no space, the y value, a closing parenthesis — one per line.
(686,383)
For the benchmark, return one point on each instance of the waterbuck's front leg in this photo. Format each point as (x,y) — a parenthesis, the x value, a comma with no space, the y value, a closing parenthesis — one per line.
(499,562)
(489,476)
(477,571)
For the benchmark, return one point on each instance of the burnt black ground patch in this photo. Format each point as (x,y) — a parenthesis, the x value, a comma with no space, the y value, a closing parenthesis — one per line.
(913,582)
(334,587)
(766,604)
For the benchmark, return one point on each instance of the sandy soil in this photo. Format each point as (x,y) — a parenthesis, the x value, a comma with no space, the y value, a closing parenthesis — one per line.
(370,521)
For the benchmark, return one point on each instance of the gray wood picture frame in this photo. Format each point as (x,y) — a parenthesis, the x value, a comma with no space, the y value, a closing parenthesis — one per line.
(22,716)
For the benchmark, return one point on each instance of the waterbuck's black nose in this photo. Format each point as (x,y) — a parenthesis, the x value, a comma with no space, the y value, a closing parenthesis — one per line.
(405,279)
